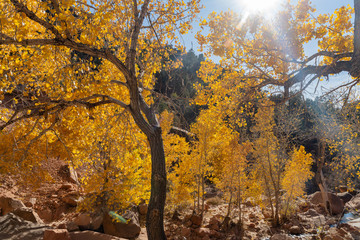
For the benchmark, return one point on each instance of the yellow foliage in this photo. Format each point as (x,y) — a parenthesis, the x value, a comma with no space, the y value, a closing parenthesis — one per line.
(297,173)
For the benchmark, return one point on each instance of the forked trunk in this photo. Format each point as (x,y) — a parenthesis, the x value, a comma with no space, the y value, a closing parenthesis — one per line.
(155,215)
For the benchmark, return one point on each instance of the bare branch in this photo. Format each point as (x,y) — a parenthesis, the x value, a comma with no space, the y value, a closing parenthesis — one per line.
(119,83)
(30,42)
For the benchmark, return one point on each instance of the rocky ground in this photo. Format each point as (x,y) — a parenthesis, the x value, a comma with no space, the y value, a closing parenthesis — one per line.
(50,213)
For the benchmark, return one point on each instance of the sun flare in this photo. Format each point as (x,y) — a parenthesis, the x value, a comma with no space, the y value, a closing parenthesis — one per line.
(260,6)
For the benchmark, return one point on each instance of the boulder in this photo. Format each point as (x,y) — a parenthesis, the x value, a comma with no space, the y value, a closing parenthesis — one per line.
(13,227)
(353,230)
(83,221)
(28,214)
(345,196)
(56,234)
(70,226)
(337,205)
(296,230)
(196,220)
(97,221)
(123,230)
(355,223)
(45,214)
(8,204)
(90,235)
(354,203)
(312,218)
(71,198)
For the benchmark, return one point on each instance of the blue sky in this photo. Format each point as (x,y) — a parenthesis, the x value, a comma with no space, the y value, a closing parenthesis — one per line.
(321,6)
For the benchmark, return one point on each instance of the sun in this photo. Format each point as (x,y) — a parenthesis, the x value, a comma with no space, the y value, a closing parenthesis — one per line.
(260,6)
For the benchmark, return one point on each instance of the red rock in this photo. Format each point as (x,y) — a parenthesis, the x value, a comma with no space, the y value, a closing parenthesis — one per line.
(90,235)
(185,232)
(188,223)
(125,230)
(70,226)
(56,234)
(45,214)
(28,214)
(60,211)
(83,221)
(143,208)
(196,220)
(8,204)
(71,198)
(214,221)
(337,205)
(96,222)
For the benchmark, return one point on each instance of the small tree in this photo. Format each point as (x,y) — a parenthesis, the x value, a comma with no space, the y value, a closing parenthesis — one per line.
(297,173)
(233,180)
(274,166)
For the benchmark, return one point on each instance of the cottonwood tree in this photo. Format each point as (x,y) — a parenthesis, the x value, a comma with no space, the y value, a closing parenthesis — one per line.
(38,79)
(270,53)
(281,174)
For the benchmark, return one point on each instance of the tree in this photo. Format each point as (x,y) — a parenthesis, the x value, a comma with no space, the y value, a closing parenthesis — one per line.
(282,173)
(233,180)
(270,53)
(37,40)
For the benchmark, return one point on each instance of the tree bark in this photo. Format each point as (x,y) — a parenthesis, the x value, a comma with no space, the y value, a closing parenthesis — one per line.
(155,215)
(355,67)
(319,177)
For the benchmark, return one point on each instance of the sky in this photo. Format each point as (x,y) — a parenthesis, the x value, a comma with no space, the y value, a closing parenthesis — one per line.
(321,6)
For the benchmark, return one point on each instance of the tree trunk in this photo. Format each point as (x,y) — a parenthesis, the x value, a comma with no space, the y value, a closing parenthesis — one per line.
(155,215)
(319,177)
(355,68)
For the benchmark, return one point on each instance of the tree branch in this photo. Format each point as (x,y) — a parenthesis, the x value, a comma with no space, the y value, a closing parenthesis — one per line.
(22,8)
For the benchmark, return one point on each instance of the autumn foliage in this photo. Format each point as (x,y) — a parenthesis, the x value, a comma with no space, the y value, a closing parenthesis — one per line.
(77,83)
